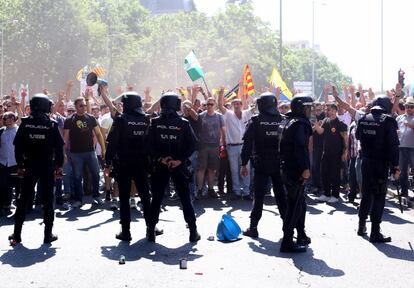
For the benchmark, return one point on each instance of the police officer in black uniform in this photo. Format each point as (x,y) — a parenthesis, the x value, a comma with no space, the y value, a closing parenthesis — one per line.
(39,156)
(127,153)
(172,141)
(296,130)
(261,144)
(377,132)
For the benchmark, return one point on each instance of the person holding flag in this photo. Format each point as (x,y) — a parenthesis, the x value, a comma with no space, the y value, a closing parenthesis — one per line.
(235,121)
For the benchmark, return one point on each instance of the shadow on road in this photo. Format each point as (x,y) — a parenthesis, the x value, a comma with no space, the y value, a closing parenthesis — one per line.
(394,217)
(76,213)
(20,256)
(348,209)
(395,252)
(135,216)
(304,262)
(152,251)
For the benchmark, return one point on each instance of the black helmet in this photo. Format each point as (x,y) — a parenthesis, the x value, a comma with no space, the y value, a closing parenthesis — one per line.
(40,105)
(267,103)
(382,103)
(298,104)
(170,101)
(132,102)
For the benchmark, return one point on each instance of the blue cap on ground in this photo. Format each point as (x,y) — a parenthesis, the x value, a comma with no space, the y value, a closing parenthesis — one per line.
(228,229)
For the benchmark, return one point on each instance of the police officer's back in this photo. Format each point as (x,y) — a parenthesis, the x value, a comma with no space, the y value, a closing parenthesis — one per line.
(296,131)
(261,145)
(377,132)
(39,157)
(172,142)
(127,153)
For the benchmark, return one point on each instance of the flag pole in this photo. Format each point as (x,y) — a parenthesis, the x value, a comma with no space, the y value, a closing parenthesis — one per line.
(205,83)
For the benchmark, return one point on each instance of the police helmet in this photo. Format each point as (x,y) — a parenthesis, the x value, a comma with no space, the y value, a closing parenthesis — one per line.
(298,104)
(382,103)
(132,102)
(267,103)
(40,104)
(170,101)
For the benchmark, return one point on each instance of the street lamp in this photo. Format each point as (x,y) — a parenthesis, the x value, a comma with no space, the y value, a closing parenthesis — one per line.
(382,46)
(2,52)
(280,41)
(313,47)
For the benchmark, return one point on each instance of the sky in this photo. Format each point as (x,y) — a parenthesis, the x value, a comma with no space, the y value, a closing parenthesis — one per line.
(348,33)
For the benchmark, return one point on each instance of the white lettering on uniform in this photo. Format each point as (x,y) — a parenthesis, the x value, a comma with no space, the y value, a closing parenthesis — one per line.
(369,132)
(37,126)
(168,137)
(269,123)
(37,136)
(369,123)
(138,133)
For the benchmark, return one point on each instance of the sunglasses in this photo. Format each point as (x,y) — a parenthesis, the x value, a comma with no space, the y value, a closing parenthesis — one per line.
(409,106)
(8,117)
(210,104)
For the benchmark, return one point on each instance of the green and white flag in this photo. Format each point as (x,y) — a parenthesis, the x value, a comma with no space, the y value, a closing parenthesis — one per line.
(193,67)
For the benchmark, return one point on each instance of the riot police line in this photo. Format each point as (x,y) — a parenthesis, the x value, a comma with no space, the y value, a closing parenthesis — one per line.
(153,151)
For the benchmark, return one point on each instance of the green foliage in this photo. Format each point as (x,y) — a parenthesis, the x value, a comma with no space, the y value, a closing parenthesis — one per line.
(53,39)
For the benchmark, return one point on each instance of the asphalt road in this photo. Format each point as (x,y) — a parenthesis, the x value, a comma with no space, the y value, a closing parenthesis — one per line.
(87,253)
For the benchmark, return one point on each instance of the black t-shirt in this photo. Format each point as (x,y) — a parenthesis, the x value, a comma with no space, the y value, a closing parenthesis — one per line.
(333,143)
(80,132)
(318,139)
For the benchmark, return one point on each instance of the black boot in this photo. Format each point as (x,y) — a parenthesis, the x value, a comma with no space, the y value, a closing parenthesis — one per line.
(376,236)
(362,229)
(289,246)
(251,232)
(124,234)
(194,236)
(303,239)
(16,236)
(49,236)
(151,234)
(158,232)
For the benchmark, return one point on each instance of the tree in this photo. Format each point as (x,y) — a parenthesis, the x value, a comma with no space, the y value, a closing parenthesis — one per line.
(55,38)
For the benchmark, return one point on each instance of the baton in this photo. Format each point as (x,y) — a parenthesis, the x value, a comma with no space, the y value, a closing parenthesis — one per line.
(397,186)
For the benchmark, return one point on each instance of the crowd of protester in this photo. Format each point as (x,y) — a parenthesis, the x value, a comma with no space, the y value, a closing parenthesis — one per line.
(219,124)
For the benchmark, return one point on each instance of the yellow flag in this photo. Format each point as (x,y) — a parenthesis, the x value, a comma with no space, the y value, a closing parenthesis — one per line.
(276,81)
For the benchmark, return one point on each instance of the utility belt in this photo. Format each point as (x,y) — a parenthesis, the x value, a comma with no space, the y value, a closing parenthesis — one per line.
(269,162)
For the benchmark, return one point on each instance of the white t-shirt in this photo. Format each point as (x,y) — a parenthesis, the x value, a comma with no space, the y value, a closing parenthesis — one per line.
(345,118)
(106,121)
(236,127)
(358,115)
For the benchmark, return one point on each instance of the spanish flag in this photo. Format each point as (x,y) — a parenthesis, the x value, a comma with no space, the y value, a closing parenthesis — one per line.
(276,81)
(88,69)
(248,86)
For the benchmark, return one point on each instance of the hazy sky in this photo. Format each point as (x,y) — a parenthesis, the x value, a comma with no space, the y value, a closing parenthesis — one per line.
(348,33)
